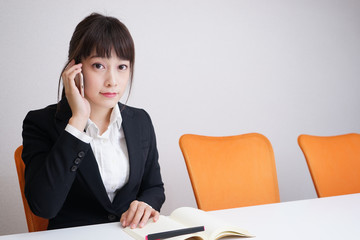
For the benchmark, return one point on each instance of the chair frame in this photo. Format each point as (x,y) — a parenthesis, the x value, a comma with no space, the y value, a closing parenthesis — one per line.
(34,223)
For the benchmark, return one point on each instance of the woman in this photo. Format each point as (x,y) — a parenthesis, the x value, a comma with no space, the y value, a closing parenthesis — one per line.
(90,159)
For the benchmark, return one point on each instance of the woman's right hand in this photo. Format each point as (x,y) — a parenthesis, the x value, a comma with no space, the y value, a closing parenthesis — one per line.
(80,107)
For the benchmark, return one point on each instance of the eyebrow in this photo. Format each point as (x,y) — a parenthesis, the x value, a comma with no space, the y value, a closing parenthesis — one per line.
(97,56)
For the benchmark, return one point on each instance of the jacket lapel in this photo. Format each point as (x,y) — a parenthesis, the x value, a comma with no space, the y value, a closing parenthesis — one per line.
(132,133)
(89,170)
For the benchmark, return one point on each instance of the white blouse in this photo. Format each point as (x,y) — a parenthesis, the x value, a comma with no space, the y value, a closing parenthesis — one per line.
(110,151)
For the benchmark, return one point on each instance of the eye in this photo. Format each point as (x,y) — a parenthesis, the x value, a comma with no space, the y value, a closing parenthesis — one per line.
(98,66)
(123,67)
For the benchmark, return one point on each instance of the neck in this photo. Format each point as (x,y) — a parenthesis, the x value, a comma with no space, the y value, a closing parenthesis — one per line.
(101,117)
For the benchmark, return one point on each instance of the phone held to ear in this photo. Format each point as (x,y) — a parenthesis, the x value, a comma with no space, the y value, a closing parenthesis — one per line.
(79,81)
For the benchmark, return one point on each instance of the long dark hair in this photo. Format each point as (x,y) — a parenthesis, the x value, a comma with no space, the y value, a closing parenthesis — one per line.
(102,34)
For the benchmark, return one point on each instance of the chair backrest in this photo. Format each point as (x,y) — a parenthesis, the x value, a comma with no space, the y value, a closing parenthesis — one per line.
(34,222)
(231,171)
(334,163)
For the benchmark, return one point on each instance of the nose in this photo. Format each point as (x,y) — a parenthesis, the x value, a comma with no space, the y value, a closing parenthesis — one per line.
(111,79)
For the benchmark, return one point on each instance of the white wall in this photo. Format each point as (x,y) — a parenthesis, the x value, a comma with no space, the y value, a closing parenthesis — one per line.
(228,67)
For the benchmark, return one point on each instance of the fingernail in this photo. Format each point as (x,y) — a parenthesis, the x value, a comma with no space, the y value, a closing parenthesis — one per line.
(133,226)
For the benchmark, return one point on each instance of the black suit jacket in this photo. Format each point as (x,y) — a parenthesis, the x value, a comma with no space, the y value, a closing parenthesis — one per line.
(62,179)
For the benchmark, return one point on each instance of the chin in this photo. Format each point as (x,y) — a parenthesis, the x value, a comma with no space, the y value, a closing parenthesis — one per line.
(108,105)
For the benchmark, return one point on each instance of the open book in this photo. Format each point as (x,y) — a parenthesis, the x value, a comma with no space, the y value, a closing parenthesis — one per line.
(189,217)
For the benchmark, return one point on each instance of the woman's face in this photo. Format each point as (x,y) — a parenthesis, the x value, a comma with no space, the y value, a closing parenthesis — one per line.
(105,80)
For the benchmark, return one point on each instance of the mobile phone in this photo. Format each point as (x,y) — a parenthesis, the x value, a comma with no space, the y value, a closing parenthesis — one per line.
(79,81)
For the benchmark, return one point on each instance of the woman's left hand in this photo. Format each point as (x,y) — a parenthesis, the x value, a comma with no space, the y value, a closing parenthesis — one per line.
(138,214)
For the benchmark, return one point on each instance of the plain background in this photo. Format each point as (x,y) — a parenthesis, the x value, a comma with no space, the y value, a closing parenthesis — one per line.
(280,68)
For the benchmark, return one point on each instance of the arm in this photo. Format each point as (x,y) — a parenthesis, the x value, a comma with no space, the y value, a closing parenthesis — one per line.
(151,193)
(152,186)
(49,158)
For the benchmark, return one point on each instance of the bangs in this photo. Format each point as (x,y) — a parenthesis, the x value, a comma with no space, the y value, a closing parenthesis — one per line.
(107,35)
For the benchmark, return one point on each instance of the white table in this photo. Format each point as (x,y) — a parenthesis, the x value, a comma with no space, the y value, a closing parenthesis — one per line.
(323,218)
(111,231)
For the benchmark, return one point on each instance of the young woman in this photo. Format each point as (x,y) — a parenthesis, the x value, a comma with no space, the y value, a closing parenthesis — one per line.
(90,159)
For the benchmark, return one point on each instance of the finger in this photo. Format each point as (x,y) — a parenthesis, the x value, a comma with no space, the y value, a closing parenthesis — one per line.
(70,67)
(69,77)
(131,212)
(148,212)
(70,64)
(138,215)
(156,215)
(123,219)
(70,70)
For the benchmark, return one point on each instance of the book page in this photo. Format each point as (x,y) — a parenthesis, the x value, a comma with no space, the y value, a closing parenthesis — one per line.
(214,228)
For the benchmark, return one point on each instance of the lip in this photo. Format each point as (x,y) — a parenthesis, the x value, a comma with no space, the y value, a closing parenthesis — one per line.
(109,94)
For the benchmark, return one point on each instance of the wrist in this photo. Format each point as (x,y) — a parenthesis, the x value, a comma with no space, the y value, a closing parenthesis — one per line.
(78,122)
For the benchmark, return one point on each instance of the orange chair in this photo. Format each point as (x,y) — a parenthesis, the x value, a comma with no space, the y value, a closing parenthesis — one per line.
(231,171)
(334,163)
(34,222)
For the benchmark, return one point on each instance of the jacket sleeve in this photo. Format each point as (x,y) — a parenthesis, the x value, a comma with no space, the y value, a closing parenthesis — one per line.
(51,160)
(152,187)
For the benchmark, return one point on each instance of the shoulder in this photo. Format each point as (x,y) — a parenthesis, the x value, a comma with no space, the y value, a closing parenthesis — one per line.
(39,122)
(133,112)
(42,114)
(60,110)
(136,118)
